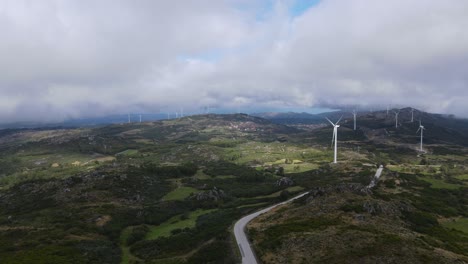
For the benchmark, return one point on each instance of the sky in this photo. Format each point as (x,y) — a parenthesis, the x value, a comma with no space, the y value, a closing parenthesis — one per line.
(62,59)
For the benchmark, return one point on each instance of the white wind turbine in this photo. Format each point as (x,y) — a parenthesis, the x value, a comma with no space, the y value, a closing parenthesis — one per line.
(396,118)
(129,118)
(335,136)
(140,118)
(421,127)
(412,115)
(354,114)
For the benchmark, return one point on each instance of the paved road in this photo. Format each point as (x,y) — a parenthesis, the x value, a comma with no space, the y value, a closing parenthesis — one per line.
(248,256)
(376,177)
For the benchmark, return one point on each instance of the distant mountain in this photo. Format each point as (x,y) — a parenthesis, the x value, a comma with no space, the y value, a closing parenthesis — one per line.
(291,118)
(86,122)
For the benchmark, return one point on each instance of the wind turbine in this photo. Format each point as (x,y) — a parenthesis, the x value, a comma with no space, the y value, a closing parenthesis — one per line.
(387,110)
(412,115)
(421,127)
(354,114)
(335,135)
(396,118)
(129,118)
(140,118)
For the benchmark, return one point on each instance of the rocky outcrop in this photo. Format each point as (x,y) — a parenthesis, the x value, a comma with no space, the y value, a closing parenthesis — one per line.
(214,194)
(339,188)
(285,181)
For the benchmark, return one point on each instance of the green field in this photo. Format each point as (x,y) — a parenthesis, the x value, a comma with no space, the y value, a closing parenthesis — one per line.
(176,222)
(439,184)
(128,152)
(297,168)
(459,224)
(180,193)
(201,175)
(126,255)
(463,177)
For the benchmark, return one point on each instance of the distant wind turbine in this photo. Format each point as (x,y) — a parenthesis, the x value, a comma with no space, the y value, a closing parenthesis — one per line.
(412,115)
(354,114)
(335,136)
(421,127)
(396,118)
(129,118)
(140,118)
(387,109)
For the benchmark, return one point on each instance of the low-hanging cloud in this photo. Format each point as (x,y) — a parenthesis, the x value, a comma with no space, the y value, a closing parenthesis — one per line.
(63,59)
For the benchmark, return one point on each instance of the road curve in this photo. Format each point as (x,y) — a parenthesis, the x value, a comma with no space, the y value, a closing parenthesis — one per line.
(248,256)
(376,178)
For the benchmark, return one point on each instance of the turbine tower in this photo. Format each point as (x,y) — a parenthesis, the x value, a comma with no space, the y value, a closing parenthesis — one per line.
(396,118)
(354,114)
(140,118)
(412,115)
(129,118)
(421,127)
(335,136)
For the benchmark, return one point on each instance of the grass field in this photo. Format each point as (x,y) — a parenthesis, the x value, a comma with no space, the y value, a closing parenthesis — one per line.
(126,255)
(439,184)
(296,168)
(415,169)
(128,152)
(164,229)
(180,193)
(459,224)
(462,177)
(201,175)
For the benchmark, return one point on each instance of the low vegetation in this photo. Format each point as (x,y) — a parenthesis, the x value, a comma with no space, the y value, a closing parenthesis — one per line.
(170,191)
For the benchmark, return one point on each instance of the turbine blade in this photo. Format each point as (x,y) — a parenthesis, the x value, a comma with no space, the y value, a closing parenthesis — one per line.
(339,120)
(418,130)
(329,121)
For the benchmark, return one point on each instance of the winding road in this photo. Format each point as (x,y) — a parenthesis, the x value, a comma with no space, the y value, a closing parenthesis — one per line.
(376,177)
(248,256)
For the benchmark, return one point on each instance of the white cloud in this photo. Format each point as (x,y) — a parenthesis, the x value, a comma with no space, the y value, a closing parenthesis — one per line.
(76,58)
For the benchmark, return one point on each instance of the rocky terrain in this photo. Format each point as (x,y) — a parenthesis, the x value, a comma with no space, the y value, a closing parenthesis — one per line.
(169,192)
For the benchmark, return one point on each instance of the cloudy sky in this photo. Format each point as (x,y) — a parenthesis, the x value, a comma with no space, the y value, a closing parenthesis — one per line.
(64,59)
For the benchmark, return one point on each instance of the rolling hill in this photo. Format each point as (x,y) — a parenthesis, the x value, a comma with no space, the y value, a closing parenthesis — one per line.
(169,191)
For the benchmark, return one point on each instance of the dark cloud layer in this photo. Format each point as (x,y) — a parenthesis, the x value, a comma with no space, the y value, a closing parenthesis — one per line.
(62,59)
